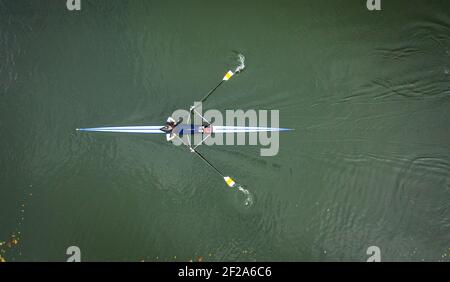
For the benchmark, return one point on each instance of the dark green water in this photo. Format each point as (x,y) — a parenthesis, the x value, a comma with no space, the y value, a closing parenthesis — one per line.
(368,94)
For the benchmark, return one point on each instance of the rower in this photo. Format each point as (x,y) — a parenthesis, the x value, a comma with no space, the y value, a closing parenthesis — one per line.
(170,126)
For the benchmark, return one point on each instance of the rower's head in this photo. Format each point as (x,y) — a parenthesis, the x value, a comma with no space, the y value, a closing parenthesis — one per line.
(167,128)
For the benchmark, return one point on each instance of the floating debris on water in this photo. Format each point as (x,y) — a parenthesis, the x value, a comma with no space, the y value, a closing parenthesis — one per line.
(8,248)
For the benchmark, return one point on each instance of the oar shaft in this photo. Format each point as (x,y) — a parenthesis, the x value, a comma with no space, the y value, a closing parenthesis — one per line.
(227,77)
(210,164)
(212,91)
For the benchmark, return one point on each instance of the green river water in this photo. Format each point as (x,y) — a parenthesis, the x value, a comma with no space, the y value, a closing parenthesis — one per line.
(367,92)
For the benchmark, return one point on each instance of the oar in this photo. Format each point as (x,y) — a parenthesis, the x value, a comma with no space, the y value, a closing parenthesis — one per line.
(227,76)
(228,180)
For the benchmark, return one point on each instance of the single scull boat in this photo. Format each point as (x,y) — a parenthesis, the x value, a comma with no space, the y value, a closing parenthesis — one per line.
(174,129)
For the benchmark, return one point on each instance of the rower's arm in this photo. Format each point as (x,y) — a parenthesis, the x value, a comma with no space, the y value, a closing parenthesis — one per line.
(180,120)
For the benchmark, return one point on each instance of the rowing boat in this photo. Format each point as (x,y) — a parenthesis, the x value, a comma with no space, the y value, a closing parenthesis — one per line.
(191,129)
(184,129)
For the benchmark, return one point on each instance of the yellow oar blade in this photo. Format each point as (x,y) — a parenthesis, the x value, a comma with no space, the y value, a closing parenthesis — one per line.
(228,75)
(229,181)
